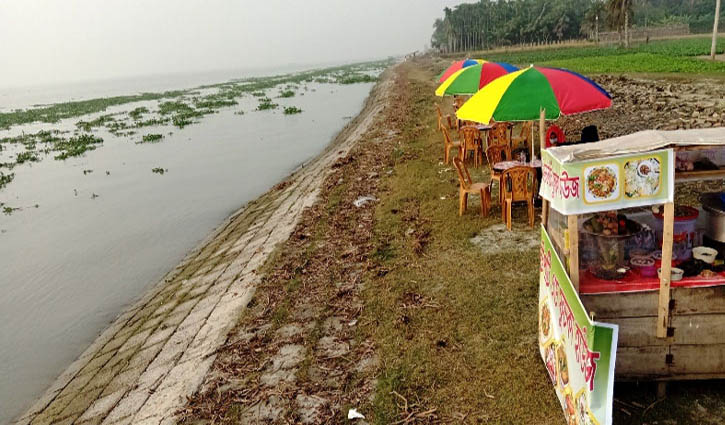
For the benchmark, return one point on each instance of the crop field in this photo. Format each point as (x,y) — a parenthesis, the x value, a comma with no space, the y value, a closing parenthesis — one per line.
(666,56)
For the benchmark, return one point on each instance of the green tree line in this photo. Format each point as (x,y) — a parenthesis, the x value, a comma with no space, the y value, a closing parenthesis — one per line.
(488,24)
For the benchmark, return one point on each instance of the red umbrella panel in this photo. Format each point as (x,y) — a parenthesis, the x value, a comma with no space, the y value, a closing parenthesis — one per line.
(456,66)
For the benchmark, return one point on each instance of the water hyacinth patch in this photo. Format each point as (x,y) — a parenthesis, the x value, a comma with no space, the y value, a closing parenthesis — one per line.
(181,121)
(178,108)
(166,108)
(151,138)
(137,112)
(59,111)
(212,103)
(98,122)
(152,121)
(26,156)
(290,110)
(171,103)
(76,146)
(265,104)
(5,179)
(8,210)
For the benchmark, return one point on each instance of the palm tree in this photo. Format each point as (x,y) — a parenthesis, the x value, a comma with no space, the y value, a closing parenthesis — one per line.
(714,30)
(438,39)
(590,19)
(618,12)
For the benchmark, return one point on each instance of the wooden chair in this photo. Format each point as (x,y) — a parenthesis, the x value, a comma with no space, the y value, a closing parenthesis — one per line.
(470,141)
(524,137)
(499,135)
(519,185)
(467,186)
(494,154)
(448,144)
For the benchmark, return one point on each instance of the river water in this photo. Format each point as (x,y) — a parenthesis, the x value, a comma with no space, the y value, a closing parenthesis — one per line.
(97,240)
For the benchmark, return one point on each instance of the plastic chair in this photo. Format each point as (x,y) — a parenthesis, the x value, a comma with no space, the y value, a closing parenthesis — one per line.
(498,135)
(519,185)
(554,136)
(458,102)
(448,144)
(452,122)
(524,136)
(470,141)
(440,118)
(494,154)
(467,186)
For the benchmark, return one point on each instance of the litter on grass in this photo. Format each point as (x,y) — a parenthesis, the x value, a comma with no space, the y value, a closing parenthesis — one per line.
(359,202)
(354,414)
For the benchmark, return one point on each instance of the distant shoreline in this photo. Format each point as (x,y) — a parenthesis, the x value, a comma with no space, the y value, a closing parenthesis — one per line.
(80,90)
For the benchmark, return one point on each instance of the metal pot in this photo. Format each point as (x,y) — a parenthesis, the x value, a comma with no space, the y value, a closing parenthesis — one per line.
(714,208)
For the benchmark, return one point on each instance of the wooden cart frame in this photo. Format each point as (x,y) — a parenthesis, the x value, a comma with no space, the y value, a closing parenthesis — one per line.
(668,334)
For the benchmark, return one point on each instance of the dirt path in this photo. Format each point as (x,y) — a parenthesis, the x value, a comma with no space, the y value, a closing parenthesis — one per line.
(155,355)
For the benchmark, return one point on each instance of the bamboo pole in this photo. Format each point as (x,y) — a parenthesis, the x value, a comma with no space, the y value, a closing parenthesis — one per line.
(573,226)
(531,138)
(542,136)
(663,307)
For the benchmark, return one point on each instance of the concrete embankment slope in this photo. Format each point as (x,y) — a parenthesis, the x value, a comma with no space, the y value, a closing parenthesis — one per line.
(141,369)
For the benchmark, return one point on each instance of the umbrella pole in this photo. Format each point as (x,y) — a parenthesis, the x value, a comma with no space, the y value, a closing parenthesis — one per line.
(531,139)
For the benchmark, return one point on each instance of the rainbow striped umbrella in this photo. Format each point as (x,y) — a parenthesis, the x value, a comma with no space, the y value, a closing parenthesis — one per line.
(522,95)
(471,79)
(535,92)
(455,66)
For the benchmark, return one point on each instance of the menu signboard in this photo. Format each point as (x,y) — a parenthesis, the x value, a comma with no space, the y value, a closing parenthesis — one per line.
(608,184)
(579,354)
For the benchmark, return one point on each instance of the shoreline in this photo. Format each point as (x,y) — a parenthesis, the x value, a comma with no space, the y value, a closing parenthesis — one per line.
(156,352)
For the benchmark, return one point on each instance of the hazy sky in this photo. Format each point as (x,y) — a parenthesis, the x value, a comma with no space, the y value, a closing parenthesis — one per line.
(48,41)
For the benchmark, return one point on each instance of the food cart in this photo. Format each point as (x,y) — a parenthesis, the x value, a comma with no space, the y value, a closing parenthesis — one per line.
(627,274)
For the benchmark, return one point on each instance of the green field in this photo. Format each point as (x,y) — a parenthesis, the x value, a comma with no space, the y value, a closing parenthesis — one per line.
(670,56)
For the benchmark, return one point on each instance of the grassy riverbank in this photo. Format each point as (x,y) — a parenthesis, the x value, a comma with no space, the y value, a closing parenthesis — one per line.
(451,314)
(389,307)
